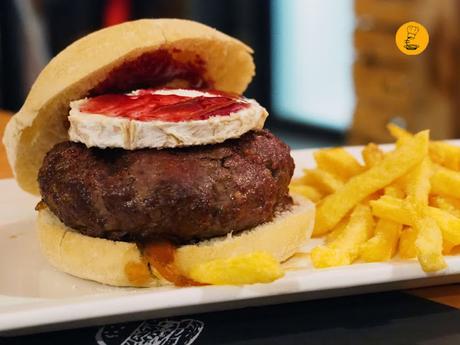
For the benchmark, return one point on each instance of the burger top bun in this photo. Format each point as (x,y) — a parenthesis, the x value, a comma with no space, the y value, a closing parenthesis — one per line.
(82,66)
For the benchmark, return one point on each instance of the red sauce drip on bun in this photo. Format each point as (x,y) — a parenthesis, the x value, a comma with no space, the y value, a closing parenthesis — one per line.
(154,69)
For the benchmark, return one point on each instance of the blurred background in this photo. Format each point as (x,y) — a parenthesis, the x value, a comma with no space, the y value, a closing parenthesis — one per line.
(328,71)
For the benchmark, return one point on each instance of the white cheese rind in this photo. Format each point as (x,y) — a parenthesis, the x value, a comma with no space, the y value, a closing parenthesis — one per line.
(102,131)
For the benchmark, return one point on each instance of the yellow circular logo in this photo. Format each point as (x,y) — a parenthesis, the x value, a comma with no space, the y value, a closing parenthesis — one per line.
(412,38)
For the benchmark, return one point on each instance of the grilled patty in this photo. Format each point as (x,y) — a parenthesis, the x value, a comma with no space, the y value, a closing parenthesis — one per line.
(181,194)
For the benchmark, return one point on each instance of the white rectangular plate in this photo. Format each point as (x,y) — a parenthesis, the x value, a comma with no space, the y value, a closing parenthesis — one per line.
(36,297)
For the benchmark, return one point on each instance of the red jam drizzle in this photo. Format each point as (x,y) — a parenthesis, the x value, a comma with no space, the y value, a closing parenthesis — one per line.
(147,106)
(161,255)
(155,69)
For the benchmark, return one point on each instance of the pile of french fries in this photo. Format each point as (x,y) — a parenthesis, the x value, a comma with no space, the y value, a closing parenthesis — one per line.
(403,203)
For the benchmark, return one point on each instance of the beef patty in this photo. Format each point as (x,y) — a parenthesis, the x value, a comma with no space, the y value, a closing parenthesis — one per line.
(181,194)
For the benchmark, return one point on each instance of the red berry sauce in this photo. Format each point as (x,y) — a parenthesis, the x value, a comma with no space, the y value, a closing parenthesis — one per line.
(147,106)
(155,69)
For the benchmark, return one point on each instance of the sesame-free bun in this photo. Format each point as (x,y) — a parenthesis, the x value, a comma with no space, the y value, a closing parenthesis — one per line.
(42,120)
(121,263)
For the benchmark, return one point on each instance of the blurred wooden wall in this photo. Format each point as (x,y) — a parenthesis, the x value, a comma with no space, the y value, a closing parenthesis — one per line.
(417,92)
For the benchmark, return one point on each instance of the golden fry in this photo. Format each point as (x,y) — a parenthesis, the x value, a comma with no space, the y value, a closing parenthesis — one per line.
(398,132)
(392,208)
(397,210)
(447,247)
(256,267)
(394,191)
(446,182)
(297,182)
(449,224)
(446,203)
(418,187)
(338,162)
(440,152)
(323,256)
(382,246)
(344,249)
(429,245)
(429,242)
(407,240)
(308,192)
(395,164)
(371,155)
(323,181)
(337,230)
(402,182)
(445,154)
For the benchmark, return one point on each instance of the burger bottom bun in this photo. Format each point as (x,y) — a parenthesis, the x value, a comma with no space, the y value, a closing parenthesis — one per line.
(122,264)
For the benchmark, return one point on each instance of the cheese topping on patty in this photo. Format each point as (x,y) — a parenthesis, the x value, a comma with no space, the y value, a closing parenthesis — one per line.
(145,119)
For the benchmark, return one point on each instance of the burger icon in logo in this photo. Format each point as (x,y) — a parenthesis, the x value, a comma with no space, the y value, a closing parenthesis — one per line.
(412,31)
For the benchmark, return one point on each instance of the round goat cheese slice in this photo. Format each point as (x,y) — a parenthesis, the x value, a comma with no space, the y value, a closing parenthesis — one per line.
(161,118)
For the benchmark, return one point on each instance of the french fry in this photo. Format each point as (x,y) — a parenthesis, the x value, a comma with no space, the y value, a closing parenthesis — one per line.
(449,224)
(338,162)
(397,210)
(440,152)
(398,132)
(406,248)
(307,191)
(382,246)
(446,182)
(429,245)
(337,230)
(255,267)
(371,155)
(344,249)
(414,190)
(323,181)
(393,209)
(299,181)
(446,203)
(447,247)
(402,182)
(324,256)
(394,191)
(395,164)
(418,186)
(445,154)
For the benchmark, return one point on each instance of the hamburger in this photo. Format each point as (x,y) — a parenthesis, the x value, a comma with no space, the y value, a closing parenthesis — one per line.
(149,161)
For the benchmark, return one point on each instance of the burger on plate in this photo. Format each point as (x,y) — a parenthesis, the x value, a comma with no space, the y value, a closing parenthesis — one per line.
(150,163)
